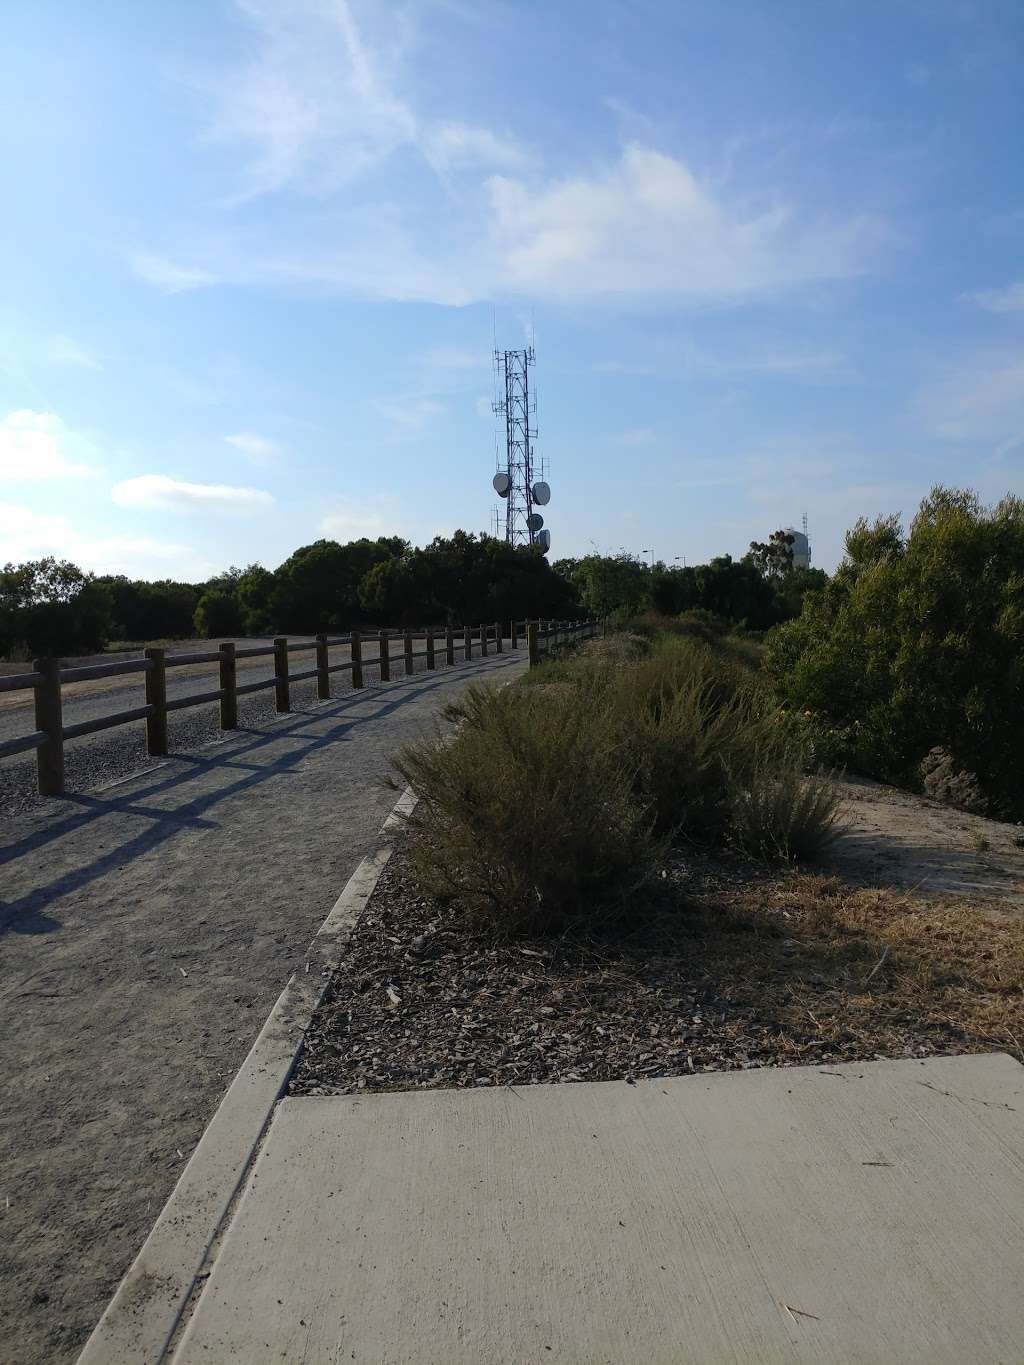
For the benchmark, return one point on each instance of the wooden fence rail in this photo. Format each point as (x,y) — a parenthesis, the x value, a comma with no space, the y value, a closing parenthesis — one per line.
(48,677)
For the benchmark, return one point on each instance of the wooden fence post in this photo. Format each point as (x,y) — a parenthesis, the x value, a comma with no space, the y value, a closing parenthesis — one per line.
(449,646)
(483,642)
(467,652)
(515,635)
(228,687)
(356,650)
(430,648)
(49,719)
(282,697)
(156,695)
(323,678)
(407,642)
(498,632)
(532,643)
(385,657)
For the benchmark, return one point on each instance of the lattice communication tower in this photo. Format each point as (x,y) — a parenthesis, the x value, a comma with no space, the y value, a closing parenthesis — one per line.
(514,480)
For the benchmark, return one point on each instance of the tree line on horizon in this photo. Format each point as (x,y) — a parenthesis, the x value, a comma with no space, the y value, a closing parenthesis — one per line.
(51,606)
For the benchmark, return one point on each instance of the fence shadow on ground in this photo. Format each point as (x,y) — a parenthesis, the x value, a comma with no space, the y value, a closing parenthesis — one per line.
(26,913)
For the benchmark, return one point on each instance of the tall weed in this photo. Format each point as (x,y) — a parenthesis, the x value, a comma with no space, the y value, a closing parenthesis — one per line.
(526,815)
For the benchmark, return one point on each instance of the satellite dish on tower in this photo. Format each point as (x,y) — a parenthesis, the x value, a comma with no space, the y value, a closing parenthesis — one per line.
(501,484)
(544,541)
(534,521)
(541,493)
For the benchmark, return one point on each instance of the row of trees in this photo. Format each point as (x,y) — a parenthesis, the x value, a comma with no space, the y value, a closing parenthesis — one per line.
(51,606)
(751,592)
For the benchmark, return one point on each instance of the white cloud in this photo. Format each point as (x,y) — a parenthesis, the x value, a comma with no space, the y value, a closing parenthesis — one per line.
(160,491)
(458,146)
(647,227)
(170,277)
(37,445)
(257,448)
(485,407)
(26,534)
(66,351)
(638,436)
(983,400)
(1008,300)
(323,98)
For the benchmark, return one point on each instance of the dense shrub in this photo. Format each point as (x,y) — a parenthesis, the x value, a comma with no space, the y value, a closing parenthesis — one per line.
(548,804)
(527,816)
(917,643)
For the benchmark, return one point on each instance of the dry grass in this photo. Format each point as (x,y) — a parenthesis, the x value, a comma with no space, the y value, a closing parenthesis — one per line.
(867,971)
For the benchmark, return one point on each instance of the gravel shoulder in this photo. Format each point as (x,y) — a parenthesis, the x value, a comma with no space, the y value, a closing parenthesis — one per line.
(145,932)
(112,754)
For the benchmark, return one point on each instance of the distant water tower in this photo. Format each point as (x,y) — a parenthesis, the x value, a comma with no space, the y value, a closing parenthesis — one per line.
(801,546)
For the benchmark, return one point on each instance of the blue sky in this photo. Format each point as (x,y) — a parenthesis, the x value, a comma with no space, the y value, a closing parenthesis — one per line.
(255,253)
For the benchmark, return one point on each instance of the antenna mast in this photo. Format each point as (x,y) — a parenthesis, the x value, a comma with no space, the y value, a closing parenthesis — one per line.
(514,404)
(514,480)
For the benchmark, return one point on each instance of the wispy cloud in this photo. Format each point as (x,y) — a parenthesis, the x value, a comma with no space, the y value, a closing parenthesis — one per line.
(326,96)
(410,415)
(1008,300)
(38,445)
(348,520)
(460,146)
(64,350)
(315,103)
(171,277)
(158,491)
(259,449)
(638,436)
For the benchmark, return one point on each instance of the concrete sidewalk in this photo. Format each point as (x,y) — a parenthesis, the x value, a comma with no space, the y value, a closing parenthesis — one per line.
(869,1213)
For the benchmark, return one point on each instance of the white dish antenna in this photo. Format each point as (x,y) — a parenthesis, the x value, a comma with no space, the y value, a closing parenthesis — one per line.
(534,521)
(544,541)
(501,484)
(541,493)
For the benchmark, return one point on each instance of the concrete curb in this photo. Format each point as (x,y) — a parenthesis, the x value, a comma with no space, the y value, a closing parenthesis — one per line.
(140,1321)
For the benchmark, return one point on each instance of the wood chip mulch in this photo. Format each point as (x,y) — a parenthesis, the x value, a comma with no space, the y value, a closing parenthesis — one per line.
(424,999)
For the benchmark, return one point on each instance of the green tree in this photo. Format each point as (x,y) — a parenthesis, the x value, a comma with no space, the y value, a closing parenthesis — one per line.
(773,558)
(50,607)
(219,613)
(918,642)
(317,587)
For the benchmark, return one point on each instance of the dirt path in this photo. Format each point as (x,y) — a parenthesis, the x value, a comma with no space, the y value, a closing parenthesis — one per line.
(894,838)
(145,931)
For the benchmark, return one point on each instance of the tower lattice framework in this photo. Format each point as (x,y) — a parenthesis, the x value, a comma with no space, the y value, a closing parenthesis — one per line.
(516,406)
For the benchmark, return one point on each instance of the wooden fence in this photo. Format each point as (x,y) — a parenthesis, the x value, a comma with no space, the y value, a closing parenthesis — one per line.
(47,679)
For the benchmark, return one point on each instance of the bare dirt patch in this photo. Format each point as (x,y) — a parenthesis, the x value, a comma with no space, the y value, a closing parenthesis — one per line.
(894,838)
